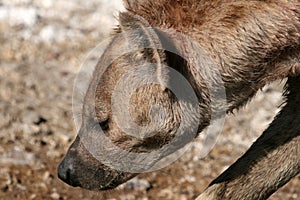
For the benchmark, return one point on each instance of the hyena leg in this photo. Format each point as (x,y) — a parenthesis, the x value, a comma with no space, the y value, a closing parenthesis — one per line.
(270,162)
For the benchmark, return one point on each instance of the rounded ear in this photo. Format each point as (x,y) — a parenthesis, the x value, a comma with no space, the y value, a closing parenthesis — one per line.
(140,36)
(130,21)
(130,4)
(134,4)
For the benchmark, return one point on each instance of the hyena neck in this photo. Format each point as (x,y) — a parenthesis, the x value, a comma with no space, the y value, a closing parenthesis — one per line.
(241,79)
(207,74)
(249,50)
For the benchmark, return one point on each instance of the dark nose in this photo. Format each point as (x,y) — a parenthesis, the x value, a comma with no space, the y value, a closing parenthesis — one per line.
(66,172)
(67,168)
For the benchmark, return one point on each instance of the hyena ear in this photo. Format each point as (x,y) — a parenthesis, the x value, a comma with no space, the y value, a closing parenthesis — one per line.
(134,4)
(140,36)
(129,21)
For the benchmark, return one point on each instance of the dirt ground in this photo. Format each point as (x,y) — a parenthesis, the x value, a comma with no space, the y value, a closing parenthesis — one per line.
(43,44)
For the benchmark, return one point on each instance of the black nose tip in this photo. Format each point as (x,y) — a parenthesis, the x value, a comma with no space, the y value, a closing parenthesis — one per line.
(66,173)
(63,172)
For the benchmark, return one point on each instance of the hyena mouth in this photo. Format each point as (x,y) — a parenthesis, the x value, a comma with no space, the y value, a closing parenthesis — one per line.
(117,181)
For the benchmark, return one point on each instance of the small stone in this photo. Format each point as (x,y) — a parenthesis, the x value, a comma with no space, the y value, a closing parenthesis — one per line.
(18,157)
(33,196)
(19,15)
(46,175)
(30,117)
(182,197)
(48,34)
(29,129)
(5,179)
(47,3)
(128,197)
(55,195)
(136,184)
(166,194)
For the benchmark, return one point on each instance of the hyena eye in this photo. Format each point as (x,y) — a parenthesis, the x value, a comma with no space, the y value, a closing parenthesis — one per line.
(104,125)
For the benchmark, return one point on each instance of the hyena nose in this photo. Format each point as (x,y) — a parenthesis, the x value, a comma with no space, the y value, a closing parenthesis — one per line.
(66,172)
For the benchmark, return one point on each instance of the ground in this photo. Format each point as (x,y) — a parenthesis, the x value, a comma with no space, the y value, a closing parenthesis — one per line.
(43,44)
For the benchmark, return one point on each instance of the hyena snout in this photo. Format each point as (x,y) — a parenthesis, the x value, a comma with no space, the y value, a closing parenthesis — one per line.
(80,169)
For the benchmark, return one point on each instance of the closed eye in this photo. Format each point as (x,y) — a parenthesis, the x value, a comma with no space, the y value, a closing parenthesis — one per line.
(104,125)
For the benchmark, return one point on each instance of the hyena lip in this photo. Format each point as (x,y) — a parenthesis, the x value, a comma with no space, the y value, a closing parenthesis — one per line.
(99,188)
(75,184)
(118,180)
(93,187)
(112,184)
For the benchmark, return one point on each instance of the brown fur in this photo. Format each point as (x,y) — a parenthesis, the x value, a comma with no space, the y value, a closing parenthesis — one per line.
(252,43)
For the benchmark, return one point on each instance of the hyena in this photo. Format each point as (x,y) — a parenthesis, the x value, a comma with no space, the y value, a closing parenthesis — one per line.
(244,46)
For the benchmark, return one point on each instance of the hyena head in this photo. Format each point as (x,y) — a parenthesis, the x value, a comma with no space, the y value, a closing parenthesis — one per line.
(136,111)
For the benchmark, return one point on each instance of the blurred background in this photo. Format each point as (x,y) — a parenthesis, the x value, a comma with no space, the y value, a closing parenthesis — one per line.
(42,45)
